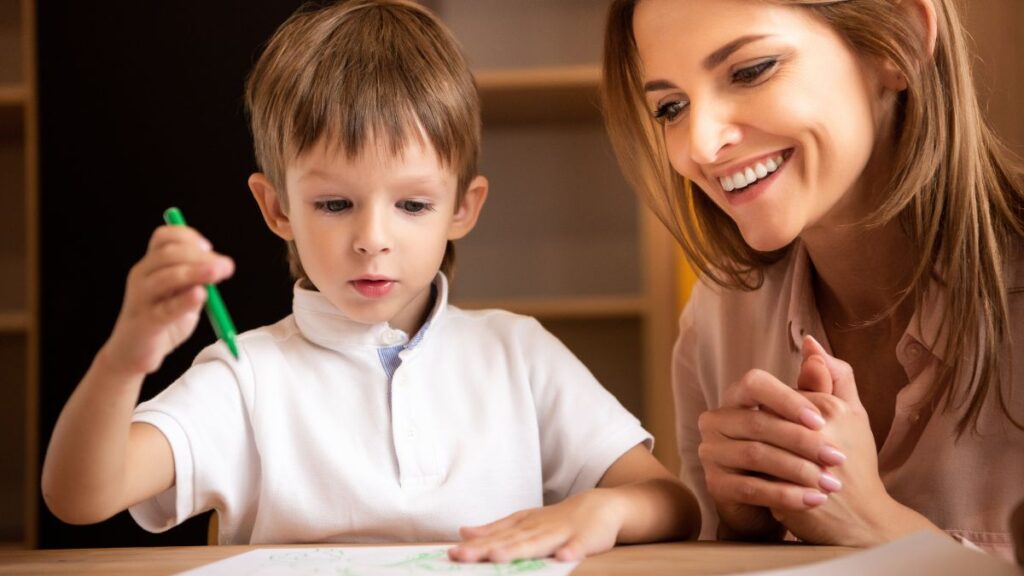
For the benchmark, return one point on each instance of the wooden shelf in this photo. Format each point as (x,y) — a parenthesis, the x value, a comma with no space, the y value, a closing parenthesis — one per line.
(13,98)
(13,95)
(13,322)
(554,94)
(564,308)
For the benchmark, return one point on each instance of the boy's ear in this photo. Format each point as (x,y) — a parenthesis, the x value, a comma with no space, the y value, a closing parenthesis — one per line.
(469,210)
(270,205)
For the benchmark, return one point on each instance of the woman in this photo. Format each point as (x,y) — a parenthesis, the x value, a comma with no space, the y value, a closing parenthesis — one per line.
(825,164)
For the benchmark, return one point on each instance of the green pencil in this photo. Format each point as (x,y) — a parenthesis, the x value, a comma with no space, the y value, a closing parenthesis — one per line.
(216,311)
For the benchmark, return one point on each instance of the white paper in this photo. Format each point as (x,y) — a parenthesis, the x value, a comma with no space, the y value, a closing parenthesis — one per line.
(924,553)
(370,561)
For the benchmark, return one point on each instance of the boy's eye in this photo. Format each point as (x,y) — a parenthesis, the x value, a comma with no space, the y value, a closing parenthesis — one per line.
(413,206)
(669,112)
(751,74)
(333,205)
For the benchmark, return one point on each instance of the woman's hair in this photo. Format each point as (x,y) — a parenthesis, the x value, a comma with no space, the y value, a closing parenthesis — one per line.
(381,72)
(956,190)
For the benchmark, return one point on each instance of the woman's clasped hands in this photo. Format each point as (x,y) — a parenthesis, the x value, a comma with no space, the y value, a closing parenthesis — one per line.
(802,460)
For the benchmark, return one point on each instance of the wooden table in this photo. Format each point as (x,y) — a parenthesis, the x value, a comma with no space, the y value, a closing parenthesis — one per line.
(678,559)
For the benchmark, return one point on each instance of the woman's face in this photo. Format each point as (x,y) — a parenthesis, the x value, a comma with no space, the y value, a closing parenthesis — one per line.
(767,110)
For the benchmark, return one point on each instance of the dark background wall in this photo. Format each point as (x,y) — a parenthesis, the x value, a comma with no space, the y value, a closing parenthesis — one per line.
(140,109)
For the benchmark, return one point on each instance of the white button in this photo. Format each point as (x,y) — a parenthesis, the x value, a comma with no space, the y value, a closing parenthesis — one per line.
(392,337)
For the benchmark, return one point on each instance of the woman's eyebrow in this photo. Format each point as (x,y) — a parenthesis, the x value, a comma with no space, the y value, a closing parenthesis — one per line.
(710,62)
(719,56)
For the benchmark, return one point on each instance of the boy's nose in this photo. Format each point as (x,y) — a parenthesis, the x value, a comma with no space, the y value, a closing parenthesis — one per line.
(371,236)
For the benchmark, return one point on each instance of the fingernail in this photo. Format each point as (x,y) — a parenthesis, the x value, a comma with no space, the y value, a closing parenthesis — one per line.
(829,483)
(814,498)
(811,419)
(831,457)
(204,244)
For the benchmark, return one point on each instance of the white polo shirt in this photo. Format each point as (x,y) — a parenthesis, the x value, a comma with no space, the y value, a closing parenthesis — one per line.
(308,437)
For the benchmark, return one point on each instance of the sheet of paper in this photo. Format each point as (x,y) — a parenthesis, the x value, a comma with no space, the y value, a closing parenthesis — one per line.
(370,561)
(921,553)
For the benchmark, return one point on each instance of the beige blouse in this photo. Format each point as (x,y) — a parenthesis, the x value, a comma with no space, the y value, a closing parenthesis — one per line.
(968,486)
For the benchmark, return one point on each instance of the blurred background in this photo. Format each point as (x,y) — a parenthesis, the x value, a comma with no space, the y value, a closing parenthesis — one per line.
(111,112)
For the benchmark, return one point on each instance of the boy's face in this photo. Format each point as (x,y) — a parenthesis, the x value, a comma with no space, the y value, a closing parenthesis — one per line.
(371,231)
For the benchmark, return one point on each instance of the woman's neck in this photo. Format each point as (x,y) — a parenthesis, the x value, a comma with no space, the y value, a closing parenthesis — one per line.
(859,274)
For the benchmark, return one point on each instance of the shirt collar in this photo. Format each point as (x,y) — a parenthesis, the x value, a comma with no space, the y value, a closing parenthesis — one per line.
(925,325)
(323,324)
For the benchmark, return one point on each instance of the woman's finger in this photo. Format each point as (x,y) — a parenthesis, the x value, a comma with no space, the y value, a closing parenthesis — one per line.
(743,489)
(763,426)
(758,388)
(747,456)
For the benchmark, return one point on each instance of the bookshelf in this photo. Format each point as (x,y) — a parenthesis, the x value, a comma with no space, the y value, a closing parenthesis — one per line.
(18,265)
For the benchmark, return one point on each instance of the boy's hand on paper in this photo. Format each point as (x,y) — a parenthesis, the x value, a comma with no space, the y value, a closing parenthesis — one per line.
(763,449)
(163,296)
(579,526)
(862,513)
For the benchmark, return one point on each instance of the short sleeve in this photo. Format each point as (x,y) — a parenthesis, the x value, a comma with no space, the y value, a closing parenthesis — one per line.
(583,428)
(205,419)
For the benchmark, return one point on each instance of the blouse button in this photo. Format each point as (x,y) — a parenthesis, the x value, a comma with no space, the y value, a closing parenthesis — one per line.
(392,337)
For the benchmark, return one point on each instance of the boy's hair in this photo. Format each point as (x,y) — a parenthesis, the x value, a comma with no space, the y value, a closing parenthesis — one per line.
(360,71)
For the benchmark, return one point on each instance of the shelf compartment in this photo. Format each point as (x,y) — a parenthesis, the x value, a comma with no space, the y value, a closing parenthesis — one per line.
(13,234)
(11,41)
(551,228)
(12,437)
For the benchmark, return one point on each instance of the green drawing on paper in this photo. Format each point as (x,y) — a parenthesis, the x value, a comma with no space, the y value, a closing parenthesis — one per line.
(372,561)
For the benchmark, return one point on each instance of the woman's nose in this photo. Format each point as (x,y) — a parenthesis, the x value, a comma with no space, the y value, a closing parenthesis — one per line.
(712,131)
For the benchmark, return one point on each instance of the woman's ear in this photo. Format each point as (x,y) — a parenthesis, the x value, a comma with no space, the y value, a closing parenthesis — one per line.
(274,213)
(923,17)
(468,211)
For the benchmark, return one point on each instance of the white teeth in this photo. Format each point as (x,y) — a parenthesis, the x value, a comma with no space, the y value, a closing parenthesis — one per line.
(750,174)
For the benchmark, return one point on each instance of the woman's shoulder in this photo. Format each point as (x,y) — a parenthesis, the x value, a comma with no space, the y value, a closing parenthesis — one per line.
(781,284)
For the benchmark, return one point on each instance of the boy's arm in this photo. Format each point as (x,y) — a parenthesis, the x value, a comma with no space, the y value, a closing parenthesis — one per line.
(654,504)
(637,500)
(98,463)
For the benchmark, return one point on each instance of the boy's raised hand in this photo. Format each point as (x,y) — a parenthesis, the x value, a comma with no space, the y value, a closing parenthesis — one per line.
(163,296)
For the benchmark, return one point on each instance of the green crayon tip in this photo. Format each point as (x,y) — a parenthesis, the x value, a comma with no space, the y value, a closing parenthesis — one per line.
(216,311)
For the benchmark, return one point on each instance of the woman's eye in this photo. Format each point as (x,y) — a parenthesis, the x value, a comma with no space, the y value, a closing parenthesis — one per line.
(669,112)
(413,206)
(751,74)
(332,205)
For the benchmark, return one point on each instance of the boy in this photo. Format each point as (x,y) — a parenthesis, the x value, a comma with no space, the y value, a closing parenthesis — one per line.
(375,412)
